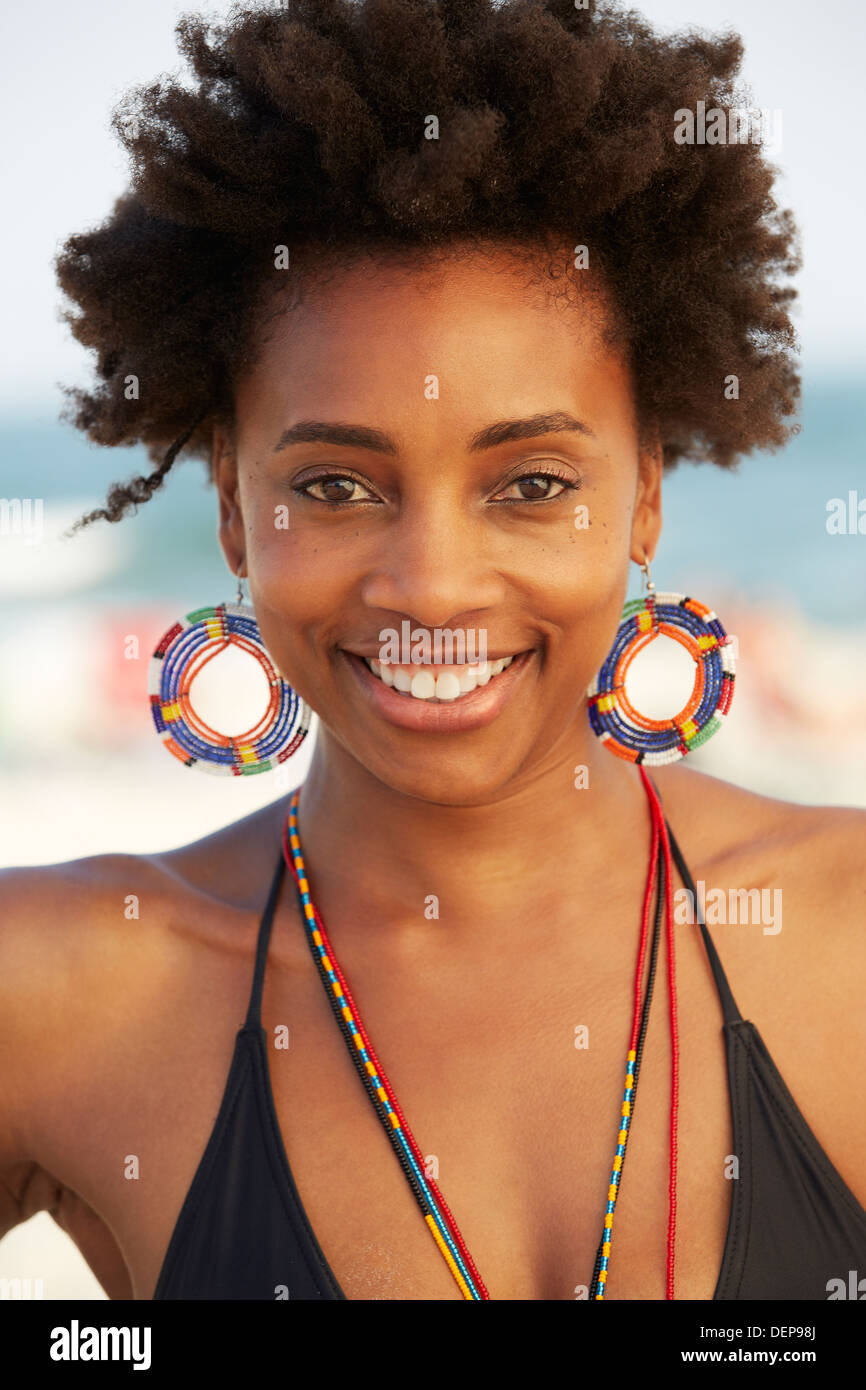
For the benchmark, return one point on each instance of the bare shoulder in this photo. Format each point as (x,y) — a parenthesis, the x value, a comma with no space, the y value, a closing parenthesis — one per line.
(808,863)
(821,846)
(82,939)
(66,907)
(232,865)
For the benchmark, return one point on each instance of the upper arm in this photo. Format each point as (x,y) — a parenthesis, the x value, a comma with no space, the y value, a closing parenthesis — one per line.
(22,979)
(48,969)
(23,1189)
(32,961)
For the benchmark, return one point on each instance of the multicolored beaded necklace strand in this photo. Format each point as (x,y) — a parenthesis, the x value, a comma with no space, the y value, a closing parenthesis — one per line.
(434,1208)
(660,866)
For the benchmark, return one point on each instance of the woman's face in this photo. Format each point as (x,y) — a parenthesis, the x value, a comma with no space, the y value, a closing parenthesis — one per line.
(469,464)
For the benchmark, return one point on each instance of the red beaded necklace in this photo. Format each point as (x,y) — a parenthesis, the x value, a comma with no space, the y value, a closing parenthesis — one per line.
(433,1206)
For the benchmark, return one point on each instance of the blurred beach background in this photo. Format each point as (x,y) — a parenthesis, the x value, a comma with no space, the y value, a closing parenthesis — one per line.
(82,770)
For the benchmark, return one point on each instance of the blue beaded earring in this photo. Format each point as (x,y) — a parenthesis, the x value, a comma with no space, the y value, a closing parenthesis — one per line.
(180,655)
(623,729)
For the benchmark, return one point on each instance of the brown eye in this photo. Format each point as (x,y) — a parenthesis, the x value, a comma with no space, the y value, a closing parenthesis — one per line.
(334,488)
(536,487)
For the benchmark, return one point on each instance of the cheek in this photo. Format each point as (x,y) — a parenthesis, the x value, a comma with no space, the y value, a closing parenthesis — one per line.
(580,584)
(592,552)
(299,593)
(586,613)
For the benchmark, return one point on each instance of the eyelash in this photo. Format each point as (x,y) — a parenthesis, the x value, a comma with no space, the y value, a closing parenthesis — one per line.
(568,484)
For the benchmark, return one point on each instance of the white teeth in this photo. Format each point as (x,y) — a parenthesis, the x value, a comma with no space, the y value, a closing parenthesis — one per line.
(449,685)
(423,686)
(402,680)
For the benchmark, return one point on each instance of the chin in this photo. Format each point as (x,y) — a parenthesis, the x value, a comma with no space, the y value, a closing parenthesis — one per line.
(456,781)
(475,769)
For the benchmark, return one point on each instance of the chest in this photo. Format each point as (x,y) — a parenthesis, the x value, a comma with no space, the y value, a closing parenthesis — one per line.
(513,1093)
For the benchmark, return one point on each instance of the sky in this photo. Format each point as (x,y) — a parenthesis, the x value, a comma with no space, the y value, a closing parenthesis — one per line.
(67,66)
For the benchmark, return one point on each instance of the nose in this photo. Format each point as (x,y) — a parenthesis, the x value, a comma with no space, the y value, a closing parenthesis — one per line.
(438,563)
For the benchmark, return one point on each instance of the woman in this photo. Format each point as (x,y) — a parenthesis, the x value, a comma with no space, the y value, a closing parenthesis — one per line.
(439,295)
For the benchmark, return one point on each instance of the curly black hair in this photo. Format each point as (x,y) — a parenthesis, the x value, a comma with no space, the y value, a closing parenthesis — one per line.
(308,128)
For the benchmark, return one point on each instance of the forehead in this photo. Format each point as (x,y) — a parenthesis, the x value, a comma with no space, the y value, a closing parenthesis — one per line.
(487,327)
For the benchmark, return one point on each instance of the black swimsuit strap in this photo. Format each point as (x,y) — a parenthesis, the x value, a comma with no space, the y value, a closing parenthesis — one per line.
(254,1012)
(730,1012)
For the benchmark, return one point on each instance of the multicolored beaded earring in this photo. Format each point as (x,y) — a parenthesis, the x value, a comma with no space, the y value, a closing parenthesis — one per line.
(632,735)
(179,657)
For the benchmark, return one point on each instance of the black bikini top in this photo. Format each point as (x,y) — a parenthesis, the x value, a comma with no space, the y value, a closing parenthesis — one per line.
(242,1232)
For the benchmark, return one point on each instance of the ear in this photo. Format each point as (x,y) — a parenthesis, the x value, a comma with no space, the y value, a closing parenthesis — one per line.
(647,519)
(224,473)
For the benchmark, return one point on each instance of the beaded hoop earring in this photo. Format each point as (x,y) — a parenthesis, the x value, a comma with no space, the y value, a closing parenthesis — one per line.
(179,657)
(632,735)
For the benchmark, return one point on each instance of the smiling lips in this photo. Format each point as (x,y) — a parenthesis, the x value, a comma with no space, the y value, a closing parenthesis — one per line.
(425,683)
(432,700)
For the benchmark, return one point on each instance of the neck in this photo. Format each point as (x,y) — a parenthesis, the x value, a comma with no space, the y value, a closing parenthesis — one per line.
(376,856)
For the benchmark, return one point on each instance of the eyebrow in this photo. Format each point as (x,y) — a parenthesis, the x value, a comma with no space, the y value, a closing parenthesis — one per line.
(363,437)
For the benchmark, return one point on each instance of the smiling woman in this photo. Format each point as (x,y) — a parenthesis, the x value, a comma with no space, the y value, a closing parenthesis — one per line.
(437,294)
(440,509)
